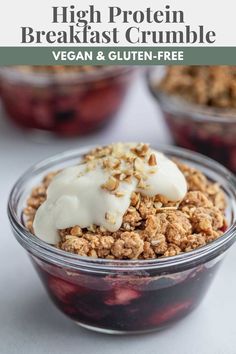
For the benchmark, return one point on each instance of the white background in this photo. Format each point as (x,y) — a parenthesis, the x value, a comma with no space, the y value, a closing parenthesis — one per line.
(218,16)
(29,322)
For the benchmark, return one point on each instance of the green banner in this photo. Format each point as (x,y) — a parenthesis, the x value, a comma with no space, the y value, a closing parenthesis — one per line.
(117,55)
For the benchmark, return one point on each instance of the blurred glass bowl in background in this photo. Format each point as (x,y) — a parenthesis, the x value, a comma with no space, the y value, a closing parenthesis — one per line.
(208,130)
(64,102)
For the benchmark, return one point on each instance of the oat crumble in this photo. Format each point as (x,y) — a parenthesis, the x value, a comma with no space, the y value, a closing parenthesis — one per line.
(204,85)
(152,227)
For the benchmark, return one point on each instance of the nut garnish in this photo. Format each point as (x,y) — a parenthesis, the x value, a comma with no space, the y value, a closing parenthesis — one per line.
(152,161)
(138,165)
(111,184)
(128,178)
(111,163)
(142,185)
(135,199)
(89,157)
(140,149)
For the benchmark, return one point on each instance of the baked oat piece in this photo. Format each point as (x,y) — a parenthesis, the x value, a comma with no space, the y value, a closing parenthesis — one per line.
(204,85)
(152,227)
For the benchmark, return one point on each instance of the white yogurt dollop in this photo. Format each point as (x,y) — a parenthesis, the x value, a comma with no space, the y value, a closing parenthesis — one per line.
(76,197)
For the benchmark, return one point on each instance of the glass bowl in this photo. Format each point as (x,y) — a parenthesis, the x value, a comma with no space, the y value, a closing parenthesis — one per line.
(210,131)
(124,296)
(65,103)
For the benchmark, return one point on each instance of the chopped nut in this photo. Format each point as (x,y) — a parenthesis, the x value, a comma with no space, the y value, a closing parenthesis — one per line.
(117,174)
(135,199)
(128,179)
(116,163)
(111,184)
(122,176)
(142,185)
(152,161)
(138,165)
(89,157)
(140,150)
(106,163)
(138,176)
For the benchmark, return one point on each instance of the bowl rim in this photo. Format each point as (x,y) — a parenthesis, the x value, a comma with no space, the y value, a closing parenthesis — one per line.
(181,107)
(65,259)
(14,74)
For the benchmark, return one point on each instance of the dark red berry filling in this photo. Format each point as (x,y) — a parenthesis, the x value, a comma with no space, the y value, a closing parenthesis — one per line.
(125,304)
(216,140)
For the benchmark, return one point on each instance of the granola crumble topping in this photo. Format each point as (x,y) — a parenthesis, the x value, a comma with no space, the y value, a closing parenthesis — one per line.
(152,227)
(204,85)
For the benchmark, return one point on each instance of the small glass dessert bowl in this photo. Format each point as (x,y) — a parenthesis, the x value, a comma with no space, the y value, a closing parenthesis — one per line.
(64,100)
(198,104)
(141,291)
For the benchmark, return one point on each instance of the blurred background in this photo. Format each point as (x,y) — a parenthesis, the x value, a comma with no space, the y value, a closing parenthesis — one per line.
(114,107)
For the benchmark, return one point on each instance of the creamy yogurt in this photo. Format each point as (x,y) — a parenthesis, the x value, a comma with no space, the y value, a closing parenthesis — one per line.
(76,195)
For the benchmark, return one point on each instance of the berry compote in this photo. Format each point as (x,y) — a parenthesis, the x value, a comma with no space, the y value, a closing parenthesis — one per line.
(214,139)
(129,302)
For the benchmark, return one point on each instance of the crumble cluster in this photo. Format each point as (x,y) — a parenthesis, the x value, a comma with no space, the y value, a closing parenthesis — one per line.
(205,85)
(152,227)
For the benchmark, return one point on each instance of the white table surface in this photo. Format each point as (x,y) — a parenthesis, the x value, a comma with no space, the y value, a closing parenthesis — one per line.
(29,322)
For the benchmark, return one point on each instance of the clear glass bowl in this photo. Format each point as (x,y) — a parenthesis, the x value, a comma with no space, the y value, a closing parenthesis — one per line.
(210,131)
(124,296)
(66,103)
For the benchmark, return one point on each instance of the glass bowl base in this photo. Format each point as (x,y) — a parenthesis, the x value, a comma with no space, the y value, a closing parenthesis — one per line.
(117,332)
